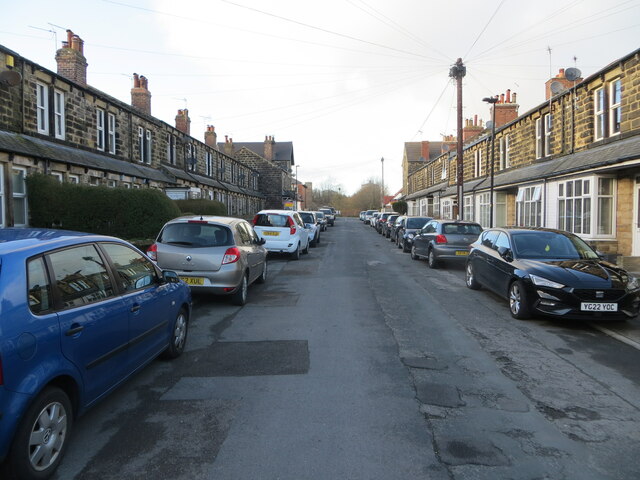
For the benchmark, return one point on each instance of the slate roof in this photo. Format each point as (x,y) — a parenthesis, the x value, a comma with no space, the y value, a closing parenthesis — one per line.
(282,151)
(46,150)
(414,151)
(612,154)
(211,182)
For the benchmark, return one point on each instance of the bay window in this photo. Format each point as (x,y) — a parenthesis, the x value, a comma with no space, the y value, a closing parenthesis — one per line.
(529,206)
(586,206)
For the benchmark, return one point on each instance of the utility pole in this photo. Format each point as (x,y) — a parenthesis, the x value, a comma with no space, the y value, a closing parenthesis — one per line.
(458,71)
(382,187)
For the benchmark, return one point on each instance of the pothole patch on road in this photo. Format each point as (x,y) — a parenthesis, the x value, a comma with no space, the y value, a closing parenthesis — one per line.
(438,394)
(241,359)
(470,451)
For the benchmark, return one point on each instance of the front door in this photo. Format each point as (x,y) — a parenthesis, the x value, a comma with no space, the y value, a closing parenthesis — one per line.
(636,219)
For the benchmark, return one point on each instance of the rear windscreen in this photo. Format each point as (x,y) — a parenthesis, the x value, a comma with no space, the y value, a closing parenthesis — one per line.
(196,235)
(307,217)
(461,229)
(271,220)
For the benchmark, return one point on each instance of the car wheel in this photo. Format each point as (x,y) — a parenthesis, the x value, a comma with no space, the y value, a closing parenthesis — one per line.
(296,254)
(240,297)
(318,239)
(518,301)
(470,277)
(306,249)
(42,436)
(404,247)
(413,253)
(263,276)
(433,263)
(178,336)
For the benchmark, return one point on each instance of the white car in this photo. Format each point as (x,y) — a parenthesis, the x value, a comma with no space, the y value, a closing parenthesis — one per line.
(313,227)
(283,232)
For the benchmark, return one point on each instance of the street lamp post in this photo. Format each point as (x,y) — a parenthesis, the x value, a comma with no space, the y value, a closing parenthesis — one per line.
(492,101)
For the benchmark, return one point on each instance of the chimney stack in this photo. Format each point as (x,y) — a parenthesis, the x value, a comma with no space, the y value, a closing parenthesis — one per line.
(72,63)
(211,137)
(183,122)
(471,129)
(140,94)
(269,143)
(506,109)
(228,145)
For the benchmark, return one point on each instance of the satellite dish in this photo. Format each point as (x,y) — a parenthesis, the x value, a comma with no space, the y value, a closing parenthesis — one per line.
(572,74)
(10,78)
(489,124)
(556,87)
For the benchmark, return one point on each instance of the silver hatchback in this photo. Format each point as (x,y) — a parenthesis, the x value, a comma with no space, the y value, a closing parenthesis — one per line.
(220,255)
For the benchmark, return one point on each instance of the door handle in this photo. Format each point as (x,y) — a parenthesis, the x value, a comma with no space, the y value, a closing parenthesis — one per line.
(72,331)
(135,308)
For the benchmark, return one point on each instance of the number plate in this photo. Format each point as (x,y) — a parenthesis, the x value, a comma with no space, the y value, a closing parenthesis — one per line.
(271,234)
(462,253)
(598,307)
(193,280)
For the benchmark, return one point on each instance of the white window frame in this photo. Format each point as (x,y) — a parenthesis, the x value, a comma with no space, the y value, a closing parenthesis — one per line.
(141,144)
(100,130)
(484,208)
(21,195)
(599,113)
(58,176)
(468,208)
(615,109)
(477,162)
(58,114)
(147,147)
(171,149)
(543,136)
(529,206)
(75,179)
(42,108)
(443,174)
(111,132)
(588,206)
(208,163)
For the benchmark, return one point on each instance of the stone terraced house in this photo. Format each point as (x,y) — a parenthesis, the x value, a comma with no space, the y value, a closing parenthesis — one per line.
(572,162)
(54,123)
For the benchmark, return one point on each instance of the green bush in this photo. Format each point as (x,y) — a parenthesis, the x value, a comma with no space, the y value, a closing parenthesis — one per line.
(401,207)
(129,214)
(201,207)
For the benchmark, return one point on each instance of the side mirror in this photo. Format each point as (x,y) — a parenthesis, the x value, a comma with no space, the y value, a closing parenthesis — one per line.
(506,253)
(261,241)
(170,276)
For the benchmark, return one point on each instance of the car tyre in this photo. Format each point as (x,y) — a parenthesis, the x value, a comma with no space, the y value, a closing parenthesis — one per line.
(432,261)
(404,247)
(306,249)
(240,297)
(295,255)
(518,301)
(178,338)
(42,436)
(263,276)
(470,277)
(413,253)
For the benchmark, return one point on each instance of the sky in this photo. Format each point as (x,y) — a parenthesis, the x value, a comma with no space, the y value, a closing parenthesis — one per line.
(347,81)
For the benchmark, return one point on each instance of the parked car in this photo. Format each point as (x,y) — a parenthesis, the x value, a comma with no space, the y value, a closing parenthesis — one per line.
(551,272)
(389,225)
(283,231)
(322,220)
(362,214)
(381,221)
(80,313)
(218,255)
(393,232)
(374,219)
(312,226)
(328,213)
(407,231)
(367,216)
(442,240)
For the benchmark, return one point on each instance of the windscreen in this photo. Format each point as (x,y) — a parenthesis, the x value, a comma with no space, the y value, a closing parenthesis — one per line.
(552,245)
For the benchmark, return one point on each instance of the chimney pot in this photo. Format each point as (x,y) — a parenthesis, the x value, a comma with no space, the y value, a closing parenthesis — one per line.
(508,95)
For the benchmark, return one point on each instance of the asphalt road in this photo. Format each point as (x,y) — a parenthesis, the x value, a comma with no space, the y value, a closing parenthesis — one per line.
(356,362)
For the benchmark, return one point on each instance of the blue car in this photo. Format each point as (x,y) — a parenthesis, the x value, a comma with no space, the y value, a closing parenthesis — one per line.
(79,314)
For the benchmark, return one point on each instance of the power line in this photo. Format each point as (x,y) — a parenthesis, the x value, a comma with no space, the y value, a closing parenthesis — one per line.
(483,30)
(432,109)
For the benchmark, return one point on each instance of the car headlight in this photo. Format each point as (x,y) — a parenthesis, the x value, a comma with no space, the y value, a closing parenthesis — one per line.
(633,283)
(544,282)
(410,235)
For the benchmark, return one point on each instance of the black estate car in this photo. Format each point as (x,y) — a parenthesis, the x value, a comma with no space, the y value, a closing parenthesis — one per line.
(551,272)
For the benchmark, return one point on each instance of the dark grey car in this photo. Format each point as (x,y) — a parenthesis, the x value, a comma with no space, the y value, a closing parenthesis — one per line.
(406,232)
(442,240)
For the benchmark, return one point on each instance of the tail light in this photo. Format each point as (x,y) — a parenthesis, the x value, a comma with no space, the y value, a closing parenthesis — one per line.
(441,239)
(255,220)
(152,252)
(232,255)
(291,225)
